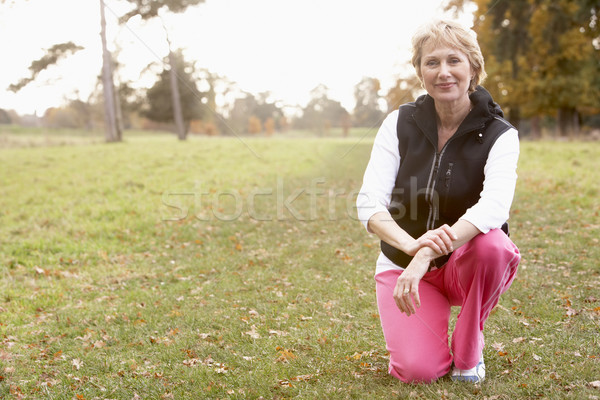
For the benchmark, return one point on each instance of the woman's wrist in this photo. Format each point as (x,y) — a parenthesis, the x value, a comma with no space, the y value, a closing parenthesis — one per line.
(426,254)
(406,245)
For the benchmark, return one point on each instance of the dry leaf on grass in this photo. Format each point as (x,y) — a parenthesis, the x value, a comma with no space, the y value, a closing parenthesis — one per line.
(285,355)
(252,333)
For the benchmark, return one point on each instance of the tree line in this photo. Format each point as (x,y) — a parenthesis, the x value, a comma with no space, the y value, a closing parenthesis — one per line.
(542,59)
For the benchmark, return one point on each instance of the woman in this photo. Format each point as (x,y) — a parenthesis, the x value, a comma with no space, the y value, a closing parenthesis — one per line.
(437,192)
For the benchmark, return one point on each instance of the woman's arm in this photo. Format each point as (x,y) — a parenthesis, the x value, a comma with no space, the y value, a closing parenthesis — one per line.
(492,209)
(380,175)
(439,240)
(406,292)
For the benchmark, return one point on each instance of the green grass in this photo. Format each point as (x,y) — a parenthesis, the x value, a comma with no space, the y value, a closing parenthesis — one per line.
(234,268)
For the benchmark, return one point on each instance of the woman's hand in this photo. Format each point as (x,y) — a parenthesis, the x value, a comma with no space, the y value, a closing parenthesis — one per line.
(439,240)
(406,292)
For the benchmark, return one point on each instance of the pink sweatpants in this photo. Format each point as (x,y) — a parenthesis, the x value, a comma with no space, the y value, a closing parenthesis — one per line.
(474,278)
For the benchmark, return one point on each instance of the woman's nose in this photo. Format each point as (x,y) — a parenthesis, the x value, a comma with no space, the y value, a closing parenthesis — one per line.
(444,69)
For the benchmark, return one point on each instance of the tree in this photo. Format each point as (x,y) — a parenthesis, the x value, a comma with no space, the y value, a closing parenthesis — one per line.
(112,112)
(255,108)
(160,100)
(148,9)
(542,56)
(5,117)
(321,112)
(254,125)
(563,60)
(53,55)
(367,111)
(405,90)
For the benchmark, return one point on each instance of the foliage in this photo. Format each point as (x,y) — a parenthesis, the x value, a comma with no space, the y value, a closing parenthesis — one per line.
(254,125)
(119,283)
(367,111)
(147,9)
(270,126)
(53,55)
(541,57)
(249,113)
(405,90)
(77,114)
(160,107)
(321,112)
(5,117)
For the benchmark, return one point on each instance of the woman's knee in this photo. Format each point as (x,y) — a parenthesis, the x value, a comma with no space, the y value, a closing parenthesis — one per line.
(418,370)
(495,246)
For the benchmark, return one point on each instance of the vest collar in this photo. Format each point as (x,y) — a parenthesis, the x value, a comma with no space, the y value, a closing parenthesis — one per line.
(484,109)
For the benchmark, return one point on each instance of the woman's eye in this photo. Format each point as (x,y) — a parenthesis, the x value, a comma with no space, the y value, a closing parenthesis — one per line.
(455,61)
(431,62)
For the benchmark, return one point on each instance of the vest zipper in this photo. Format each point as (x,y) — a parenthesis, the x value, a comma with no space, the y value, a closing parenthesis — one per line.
(449,174)
(433,210)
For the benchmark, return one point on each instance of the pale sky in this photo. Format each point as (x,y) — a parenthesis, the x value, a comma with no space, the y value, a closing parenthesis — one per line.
(286,47)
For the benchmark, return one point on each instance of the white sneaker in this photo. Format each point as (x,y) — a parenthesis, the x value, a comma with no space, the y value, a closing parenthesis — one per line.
(475,374)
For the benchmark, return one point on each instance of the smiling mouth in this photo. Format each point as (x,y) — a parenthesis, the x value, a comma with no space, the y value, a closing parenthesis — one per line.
(445,85)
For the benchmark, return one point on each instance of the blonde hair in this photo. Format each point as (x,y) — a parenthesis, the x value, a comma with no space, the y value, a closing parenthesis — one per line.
(453,35)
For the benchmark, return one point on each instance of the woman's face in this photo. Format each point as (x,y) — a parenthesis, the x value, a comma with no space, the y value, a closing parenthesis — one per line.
(446,74)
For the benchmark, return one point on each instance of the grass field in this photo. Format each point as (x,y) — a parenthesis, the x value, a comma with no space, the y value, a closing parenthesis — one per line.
(234,268)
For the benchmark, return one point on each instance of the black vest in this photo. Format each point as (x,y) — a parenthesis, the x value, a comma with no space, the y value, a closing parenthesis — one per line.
(435,188)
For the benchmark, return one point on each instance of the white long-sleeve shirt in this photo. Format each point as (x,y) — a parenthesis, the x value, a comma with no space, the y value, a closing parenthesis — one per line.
(490,212)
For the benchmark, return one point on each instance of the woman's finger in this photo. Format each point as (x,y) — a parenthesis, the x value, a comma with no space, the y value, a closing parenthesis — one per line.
(449,231)
(416,298)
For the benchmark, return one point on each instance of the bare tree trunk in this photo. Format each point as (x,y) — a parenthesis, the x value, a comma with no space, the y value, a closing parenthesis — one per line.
(514,116)
(177,113)
(536,130)
(568,122)
(112,129)
(119,115)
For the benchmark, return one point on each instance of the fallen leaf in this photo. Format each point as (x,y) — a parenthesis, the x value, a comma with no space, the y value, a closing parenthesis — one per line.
(536,357)
(303,378)
(273,332)
(192,362)
(499,347)
(76,363)
(571,312)
(252,333)
(595,384)
(285,356)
